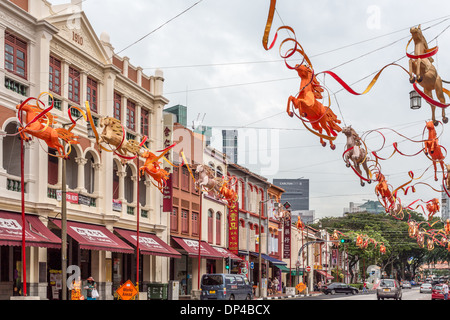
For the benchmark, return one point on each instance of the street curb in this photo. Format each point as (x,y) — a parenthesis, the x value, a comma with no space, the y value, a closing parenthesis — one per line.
(289,296)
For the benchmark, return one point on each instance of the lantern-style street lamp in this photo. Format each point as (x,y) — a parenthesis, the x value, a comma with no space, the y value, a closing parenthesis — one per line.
(415,100)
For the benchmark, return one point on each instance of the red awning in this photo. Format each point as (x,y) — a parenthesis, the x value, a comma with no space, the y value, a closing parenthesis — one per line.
(226,253)
(36,233)
(191,247)
(327,275)
(149,243)
(94,237)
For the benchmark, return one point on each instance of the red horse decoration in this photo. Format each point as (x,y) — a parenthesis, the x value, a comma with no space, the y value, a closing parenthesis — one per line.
(433,150)
(153,169)
(433,208)
(320,117)
(41,127)
(382,190)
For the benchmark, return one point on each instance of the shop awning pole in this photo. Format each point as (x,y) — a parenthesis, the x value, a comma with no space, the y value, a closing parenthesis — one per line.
(24,256)
(199,238)
(137,229)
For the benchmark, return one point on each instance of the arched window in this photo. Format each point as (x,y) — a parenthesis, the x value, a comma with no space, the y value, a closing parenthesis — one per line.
(89,174)
(218,227)
(219,172)
(11,151)
(210,225)
(72,170)
(142,192)
(53,165)
(129,185)
(116,181)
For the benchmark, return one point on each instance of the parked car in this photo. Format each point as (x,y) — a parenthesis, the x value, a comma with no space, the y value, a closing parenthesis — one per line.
(225,287)
(337,287)
(413,283)
(436,293)
(389,288)
(426,288)
(406,285)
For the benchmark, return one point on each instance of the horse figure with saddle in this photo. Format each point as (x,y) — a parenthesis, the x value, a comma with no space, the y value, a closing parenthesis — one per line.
(422,70)
(357,154)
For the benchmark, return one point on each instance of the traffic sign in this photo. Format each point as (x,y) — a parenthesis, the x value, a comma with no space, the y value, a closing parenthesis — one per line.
(287,205)
(308,269)
(300,287)
(127,291)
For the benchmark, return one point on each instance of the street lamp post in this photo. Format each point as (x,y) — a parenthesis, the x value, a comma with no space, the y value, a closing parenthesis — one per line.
(64,214)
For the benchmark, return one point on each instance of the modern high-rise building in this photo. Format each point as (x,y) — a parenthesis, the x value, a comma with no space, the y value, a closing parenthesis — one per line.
(230,144)
(445,207)
(181,112)
(296,192)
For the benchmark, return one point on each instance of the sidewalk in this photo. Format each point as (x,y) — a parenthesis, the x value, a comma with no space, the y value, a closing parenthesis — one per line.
(286,296)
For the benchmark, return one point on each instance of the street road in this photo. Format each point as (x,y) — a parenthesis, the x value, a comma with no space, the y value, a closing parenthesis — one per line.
(408,294)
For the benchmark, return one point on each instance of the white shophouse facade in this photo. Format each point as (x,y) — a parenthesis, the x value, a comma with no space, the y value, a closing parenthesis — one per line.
(55,51)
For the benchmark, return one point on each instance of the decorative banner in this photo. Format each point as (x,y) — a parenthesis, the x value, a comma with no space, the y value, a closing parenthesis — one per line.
(167,195)
(233,231)
(287,238)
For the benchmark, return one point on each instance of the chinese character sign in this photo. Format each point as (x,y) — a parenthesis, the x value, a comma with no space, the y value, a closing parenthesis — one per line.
(233,238)
(287,238)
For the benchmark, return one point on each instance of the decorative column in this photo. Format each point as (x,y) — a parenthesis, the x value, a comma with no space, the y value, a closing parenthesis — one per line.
(97,168)
(80,179)
(121,174)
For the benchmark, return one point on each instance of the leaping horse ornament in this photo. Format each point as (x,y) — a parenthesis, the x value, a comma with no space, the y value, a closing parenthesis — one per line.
(309,108)
(423,72)
(355,153)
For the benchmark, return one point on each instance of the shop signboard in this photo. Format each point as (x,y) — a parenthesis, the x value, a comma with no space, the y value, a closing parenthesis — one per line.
(117,205)
(287,239)
(70,196)
(233,232)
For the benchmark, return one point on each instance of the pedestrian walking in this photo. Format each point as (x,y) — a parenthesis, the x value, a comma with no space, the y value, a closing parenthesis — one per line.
(365,288)
(445,290)
(92,293)
(275,284)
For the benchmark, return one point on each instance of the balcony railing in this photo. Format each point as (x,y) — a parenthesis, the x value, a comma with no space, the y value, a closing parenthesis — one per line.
(130,210)
(14,185)
(15,86)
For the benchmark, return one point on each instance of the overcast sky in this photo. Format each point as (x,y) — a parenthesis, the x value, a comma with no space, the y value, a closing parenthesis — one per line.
(214,62)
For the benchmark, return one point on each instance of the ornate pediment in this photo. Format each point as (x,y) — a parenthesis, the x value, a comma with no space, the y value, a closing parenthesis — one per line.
(76,29)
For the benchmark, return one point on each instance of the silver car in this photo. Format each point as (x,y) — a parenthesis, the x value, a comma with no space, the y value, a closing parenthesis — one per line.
(389,288)
(426,288)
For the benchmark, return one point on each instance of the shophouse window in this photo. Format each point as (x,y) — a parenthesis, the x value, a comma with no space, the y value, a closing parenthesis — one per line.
(74,85)
(131,115)
(92,88)
(174,220)
(195,227)
(185,179)
(144,122)
(89,173)
(115,181)
(52,167)
(210,225)
(175,177)
(16,55)
(129,185)
(11,150)
(55,76)
(184,221)
(218,227)
(117,106)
